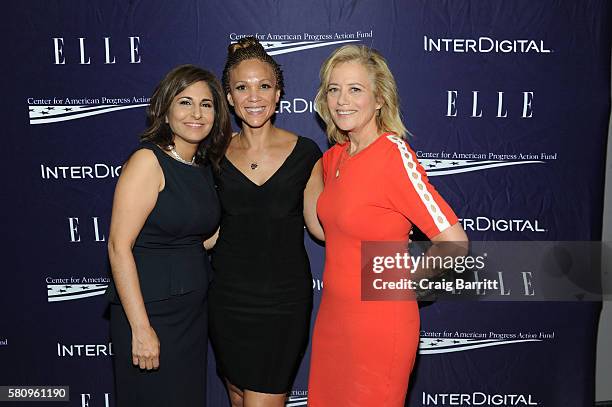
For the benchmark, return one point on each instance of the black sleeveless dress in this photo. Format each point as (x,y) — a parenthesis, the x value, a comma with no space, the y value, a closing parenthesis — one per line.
(174,274)
(261,296)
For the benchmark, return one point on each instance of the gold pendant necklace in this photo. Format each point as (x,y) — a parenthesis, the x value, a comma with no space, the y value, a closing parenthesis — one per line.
(343,157)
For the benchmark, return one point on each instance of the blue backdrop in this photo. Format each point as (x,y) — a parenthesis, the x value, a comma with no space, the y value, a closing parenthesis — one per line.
(508,104)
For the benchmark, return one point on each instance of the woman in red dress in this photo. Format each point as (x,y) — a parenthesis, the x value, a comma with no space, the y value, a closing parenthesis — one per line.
(375,190)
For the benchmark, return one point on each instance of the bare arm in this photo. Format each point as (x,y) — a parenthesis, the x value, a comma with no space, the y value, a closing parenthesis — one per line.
(451,242)
(313,189)
(135,196)
(454,234)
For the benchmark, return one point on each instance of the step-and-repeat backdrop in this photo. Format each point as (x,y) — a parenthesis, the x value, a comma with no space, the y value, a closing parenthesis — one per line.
(508,104)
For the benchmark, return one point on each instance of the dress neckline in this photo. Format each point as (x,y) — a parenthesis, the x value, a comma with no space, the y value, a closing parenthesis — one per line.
(345,146)
(293,150)
(173,159)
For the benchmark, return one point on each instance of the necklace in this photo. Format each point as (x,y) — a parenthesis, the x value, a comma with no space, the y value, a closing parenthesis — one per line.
(178,158)
(343,157)
(253,164)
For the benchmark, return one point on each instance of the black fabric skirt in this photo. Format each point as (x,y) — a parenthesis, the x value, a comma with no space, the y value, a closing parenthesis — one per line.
(258,346)
(180,323)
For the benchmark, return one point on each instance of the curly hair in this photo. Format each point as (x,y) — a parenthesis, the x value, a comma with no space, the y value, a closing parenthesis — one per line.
(249,48)
(384,86)
(212,148)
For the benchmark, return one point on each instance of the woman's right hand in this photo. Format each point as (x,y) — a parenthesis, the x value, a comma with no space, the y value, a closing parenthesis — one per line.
(145,348)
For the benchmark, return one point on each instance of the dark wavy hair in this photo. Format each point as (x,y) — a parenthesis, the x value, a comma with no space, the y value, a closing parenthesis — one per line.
(212,148)
(249,48)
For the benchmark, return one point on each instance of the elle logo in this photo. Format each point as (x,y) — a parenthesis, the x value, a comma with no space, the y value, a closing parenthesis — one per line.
(75,236)
(86,59)
(502,111)
(87,401)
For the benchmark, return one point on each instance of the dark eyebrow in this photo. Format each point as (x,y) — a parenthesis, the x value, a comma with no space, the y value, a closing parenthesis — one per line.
(190,98)
(260,81)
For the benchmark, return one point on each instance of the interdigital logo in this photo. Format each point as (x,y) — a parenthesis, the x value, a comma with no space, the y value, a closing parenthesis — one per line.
(58,109)
(86,350)
(485,224)
(75,288)
(484,45)
(477,399)
(296,105)
(276,44)
(93,171)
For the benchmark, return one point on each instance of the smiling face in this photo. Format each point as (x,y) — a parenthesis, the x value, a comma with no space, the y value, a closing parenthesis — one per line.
(191,115)
(253,92)
(351,99)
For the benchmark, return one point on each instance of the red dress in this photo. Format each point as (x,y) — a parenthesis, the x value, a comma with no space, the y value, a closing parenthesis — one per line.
(363,351)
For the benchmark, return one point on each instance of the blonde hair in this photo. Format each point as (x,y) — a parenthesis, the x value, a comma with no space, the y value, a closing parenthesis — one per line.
(385,90)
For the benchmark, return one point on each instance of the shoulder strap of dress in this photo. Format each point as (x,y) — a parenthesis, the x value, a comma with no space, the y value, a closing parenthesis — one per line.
(312,149)
(159,154)
(149,145)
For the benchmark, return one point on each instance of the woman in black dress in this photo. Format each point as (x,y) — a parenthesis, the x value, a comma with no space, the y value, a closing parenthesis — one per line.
(165,206)
(261,296)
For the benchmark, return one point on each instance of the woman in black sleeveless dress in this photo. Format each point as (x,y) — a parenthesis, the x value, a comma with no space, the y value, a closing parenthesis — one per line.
(261,295)
(165,206)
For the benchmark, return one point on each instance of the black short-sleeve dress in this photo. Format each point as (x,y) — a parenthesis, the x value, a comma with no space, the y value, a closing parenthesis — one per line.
(261,297)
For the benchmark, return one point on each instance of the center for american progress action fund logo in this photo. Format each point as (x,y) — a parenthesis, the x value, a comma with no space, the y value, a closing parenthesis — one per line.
(58,109)
(277,43)
(75,288)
